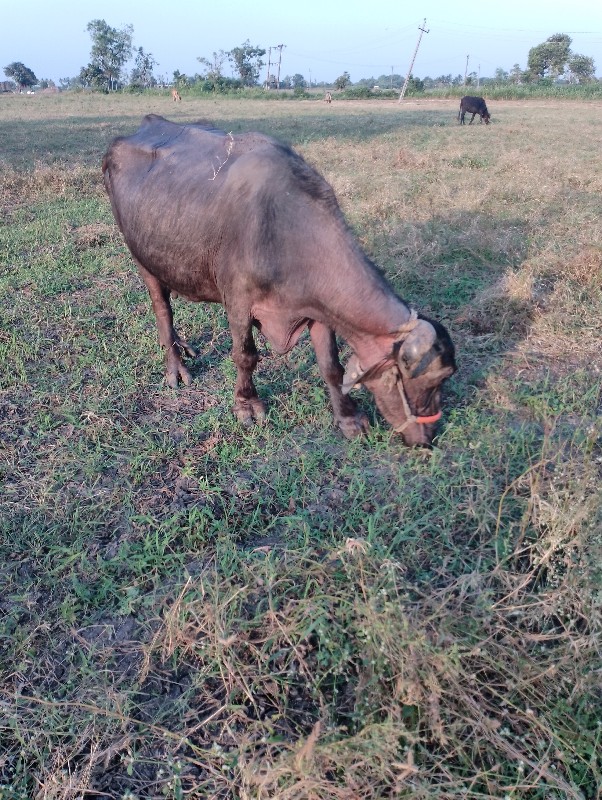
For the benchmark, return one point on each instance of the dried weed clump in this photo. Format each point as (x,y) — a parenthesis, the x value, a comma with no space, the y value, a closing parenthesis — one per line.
(46,180)
(567,336)
(585,267)
(93,235)
(505,308)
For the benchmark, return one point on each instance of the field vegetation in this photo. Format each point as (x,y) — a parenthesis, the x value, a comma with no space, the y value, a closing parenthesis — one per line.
(193,609)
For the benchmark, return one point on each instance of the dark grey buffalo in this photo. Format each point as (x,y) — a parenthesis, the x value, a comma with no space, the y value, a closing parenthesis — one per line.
(474,106)
(242,220)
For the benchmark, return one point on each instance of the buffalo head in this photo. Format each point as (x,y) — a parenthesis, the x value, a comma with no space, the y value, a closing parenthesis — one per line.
(407,384)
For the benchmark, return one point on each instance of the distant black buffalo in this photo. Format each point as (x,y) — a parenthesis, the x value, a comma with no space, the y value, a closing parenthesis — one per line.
(474,106)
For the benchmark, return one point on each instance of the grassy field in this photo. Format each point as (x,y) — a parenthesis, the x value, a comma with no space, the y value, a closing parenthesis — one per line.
(192,609)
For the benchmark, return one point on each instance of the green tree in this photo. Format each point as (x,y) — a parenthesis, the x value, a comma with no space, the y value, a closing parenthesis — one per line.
(247,61)
(180,80)
(516,74)
(214,65)
(298,81)
(21,75)
(91,77)
(368,82)
(142,74)
(342,81)
(111,48)
(549,59)
(501,76)
(415,86)
(582,67)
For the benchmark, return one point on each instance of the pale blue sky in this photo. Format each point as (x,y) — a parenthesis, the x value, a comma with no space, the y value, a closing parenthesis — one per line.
(323,39)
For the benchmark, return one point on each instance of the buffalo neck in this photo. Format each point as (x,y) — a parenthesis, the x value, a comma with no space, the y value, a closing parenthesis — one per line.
(367,313)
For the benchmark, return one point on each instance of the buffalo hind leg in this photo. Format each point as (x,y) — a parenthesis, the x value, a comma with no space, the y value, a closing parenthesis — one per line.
(347,416)
(247,404)
(168,338)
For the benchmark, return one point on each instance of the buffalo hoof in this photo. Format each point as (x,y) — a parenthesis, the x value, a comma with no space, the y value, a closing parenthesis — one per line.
(249,411)
(175,370)
(354,426)
(175,373)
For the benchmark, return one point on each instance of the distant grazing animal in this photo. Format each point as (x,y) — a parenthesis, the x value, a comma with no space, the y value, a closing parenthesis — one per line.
(243,220)
(474,106)
(328,98)
(176,96)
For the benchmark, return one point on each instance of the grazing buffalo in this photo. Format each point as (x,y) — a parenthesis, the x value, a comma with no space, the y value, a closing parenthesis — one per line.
(244,221)
(474,106)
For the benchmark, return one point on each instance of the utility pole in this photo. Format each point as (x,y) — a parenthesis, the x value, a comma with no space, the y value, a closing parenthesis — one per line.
(407,80)
(466,70)
(279,47)
(391,77)
(267,80)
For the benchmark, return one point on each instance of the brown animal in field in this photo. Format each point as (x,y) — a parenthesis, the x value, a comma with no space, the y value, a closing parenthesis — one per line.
(176,96)
(474,106)
(328,98)
(243,220)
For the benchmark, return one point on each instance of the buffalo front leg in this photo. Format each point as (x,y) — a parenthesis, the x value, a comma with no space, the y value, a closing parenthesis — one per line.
(347,416)
(168,338)
(247,404)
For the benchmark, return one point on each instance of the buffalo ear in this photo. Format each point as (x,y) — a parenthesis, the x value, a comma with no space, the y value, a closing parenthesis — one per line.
(353,375)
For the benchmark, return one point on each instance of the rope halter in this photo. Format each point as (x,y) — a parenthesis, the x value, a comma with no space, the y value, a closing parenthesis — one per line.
(400,336)
(410,418)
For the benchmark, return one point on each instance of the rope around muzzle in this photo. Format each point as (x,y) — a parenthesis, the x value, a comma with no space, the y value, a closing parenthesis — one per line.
(400,336)
(410,418)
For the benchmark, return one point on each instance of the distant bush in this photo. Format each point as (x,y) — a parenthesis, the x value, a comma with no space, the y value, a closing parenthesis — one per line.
(357,93)
(366,93)
(219,85)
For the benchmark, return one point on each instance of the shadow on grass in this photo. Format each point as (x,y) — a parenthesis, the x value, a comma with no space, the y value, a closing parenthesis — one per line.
(55,140)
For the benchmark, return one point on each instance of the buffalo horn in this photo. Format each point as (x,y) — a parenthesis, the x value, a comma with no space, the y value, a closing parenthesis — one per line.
(418,342)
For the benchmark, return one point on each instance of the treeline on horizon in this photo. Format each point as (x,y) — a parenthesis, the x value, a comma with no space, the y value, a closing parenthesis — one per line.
(488,89)
(552,69)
